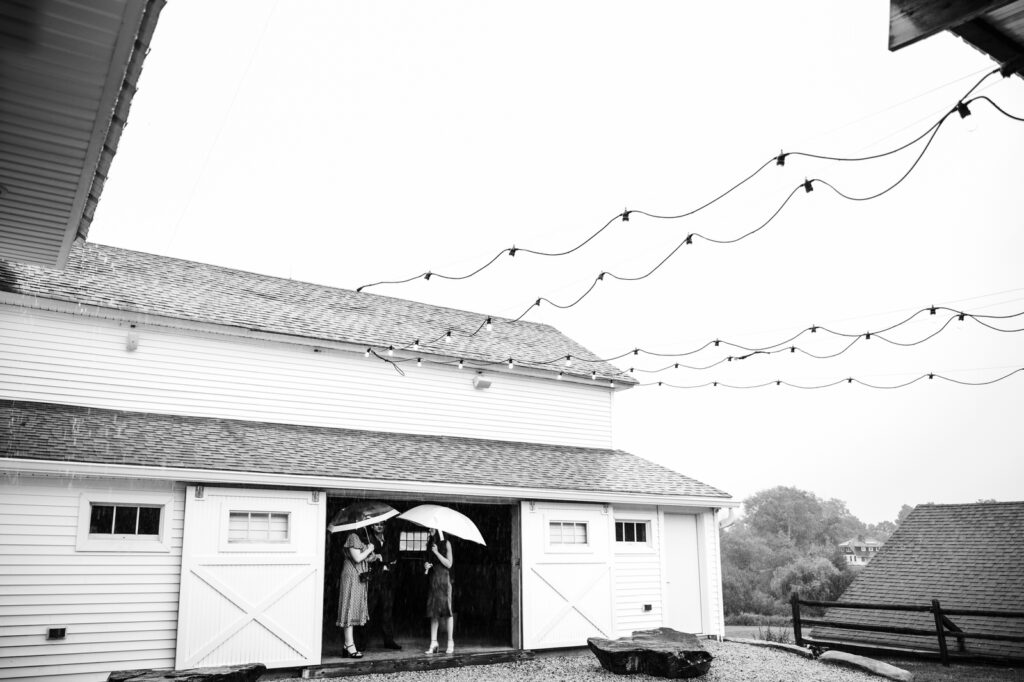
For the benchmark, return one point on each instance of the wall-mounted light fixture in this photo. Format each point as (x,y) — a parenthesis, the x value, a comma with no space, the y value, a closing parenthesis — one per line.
(480,382)
(133,339)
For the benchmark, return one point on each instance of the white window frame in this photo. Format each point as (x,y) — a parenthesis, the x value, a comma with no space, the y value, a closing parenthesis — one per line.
(255,507)
(86,542)
(559,548)
(405,536)
(623,547)
(269,514)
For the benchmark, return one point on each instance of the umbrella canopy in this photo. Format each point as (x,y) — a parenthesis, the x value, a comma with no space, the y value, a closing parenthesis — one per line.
(361,514)
(446,520)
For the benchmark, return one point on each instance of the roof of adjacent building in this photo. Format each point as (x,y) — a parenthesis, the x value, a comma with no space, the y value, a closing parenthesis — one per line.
(147,284)
(70,70)
(63,433)
(968,556)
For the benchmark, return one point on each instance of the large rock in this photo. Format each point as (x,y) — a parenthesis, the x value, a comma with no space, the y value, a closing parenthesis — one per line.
(249,672)
(662,652)
(879,668)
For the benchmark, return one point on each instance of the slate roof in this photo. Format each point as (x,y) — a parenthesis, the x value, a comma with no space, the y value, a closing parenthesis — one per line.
(144,283)
(968,556)
(52,432)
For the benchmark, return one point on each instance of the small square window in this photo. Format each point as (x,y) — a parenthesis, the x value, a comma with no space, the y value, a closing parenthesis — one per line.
(631,531)
(412,541)
(567,533)
(248,527)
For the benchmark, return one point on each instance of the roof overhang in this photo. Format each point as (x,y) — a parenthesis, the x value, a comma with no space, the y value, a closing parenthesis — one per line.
(68,71)
(393,488)
(995,27)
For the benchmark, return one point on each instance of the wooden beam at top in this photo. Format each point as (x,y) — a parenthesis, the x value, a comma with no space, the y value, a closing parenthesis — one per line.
(912,20)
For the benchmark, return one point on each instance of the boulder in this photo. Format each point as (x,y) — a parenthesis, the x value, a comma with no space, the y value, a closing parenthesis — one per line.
(250,672)
(662,652)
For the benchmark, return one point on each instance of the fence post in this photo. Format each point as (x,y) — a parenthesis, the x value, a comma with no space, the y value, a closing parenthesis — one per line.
(794,601)
(940,631)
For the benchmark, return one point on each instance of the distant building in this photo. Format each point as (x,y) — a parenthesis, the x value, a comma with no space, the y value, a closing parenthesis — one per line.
(859,550)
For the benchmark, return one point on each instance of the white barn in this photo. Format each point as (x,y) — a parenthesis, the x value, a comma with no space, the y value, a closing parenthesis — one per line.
(195,399)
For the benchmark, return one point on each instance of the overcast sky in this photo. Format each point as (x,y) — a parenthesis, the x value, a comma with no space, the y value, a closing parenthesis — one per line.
(349,142)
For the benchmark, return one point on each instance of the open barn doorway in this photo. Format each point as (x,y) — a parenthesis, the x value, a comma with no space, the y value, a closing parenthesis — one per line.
(482,580)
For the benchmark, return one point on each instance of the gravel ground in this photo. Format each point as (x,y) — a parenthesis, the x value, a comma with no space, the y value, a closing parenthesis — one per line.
(733,663)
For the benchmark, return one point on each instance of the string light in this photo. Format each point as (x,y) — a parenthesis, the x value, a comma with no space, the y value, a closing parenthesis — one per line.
(489,324)
(460,363)
(845,380)
(448,337)
(511,364)
(593,376)
(568,361)
(366,354)
(416,345)
(779,160)
(391,350)
(419,362)
(561,374)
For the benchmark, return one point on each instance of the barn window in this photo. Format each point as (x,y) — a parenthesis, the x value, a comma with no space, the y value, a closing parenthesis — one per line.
(567,533)
(412,541)
(631,531)
(121,519)
(250,526)
(123,522)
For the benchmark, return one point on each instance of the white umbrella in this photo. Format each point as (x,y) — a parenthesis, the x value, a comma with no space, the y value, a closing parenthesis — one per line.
(446,520)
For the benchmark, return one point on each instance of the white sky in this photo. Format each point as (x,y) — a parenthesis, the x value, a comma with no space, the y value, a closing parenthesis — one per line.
(348,142)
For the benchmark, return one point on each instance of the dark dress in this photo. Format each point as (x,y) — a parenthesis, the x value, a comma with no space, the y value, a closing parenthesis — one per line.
(439,591)
(352,607)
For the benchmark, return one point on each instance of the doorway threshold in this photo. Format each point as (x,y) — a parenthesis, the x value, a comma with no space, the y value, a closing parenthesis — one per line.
(379,662)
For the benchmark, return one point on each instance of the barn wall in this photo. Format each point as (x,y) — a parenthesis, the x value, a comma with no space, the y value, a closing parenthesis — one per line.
(77,360)
(119,608)
(638,576)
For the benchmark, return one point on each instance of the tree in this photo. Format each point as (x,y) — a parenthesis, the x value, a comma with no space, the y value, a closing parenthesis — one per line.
(812,577)
(791,512)
(904,511)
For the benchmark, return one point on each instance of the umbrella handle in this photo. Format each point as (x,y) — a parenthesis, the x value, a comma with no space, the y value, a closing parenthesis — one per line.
(440,535)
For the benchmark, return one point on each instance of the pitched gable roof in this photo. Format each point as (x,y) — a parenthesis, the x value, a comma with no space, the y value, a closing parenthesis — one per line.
(143,283)
(968,556)
(63,433)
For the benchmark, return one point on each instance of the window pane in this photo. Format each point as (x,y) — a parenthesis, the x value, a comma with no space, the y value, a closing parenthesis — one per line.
(125,520)
(630,532)
(259,526)
(101,519)
(278,527)
(580,534)
(641,532)
(618,531)
(149,520)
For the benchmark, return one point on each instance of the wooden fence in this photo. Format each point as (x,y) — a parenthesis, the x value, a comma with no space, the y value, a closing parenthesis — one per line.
(944,628)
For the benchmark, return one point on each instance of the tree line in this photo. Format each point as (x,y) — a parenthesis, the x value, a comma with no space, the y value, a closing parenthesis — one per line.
(788,539)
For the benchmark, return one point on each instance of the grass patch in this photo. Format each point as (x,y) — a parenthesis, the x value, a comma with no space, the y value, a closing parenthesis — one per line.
(933,671)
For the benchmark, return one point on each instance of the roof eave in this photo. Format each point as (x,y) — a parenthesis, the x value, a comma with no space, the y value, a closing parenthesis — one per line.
(379,486)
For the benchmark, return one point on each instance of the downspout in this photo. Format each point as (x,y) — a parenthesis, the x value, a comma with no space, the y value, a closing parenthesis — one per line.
(728,520)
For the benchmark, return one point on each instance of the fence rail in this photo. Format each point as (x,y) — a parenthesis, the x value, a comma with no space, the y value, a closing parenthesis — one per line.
(944,627)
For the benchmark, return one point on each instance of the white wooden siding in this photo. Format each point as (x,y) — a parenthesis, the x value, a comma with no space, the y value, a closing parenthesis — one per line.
(715,617)
(637,572)
(71,359)
(120,608)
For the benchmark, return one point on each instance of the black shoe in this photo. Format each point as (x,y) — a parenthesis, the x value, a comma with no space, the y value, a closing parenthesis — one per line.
(392,645)
(351,652)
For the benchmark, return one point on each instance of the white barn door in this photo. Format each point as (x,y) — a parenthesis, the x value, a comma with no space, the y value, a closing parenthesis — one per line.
(683,601)
(567,586)
(251,578)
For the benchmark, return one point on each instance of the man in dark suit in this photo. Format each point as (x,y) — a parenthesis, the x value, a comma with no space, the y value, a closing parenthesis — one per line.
(381,594)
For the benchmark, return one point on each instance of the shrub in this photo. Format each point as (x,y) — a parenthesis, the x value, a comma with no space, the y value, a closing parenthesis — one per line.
(758,619)
(781,634)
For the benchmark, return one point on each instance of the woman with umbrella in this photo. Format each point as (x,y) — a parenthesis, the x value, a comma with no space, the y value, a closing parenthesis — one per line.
(439,592)
(352,601)
(438,521)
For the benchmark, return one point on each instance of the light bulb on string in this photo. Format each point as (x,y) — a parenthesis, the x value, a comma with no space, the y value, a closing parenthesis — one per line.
(460,364)
(568,361)
(416,344)
(419,362)
(511,364)
(391,350)
(489,325)
(448,337)
(366,354)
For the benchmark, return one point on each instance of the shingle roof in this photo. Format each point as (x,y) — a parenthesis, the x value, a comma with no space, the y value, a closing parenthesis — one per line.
(52,432)
(144,283)
(968,556)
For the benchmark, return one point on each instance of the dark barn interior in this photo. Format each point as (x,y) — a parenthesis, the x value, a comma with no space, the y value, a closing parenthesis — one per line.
(481,583)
